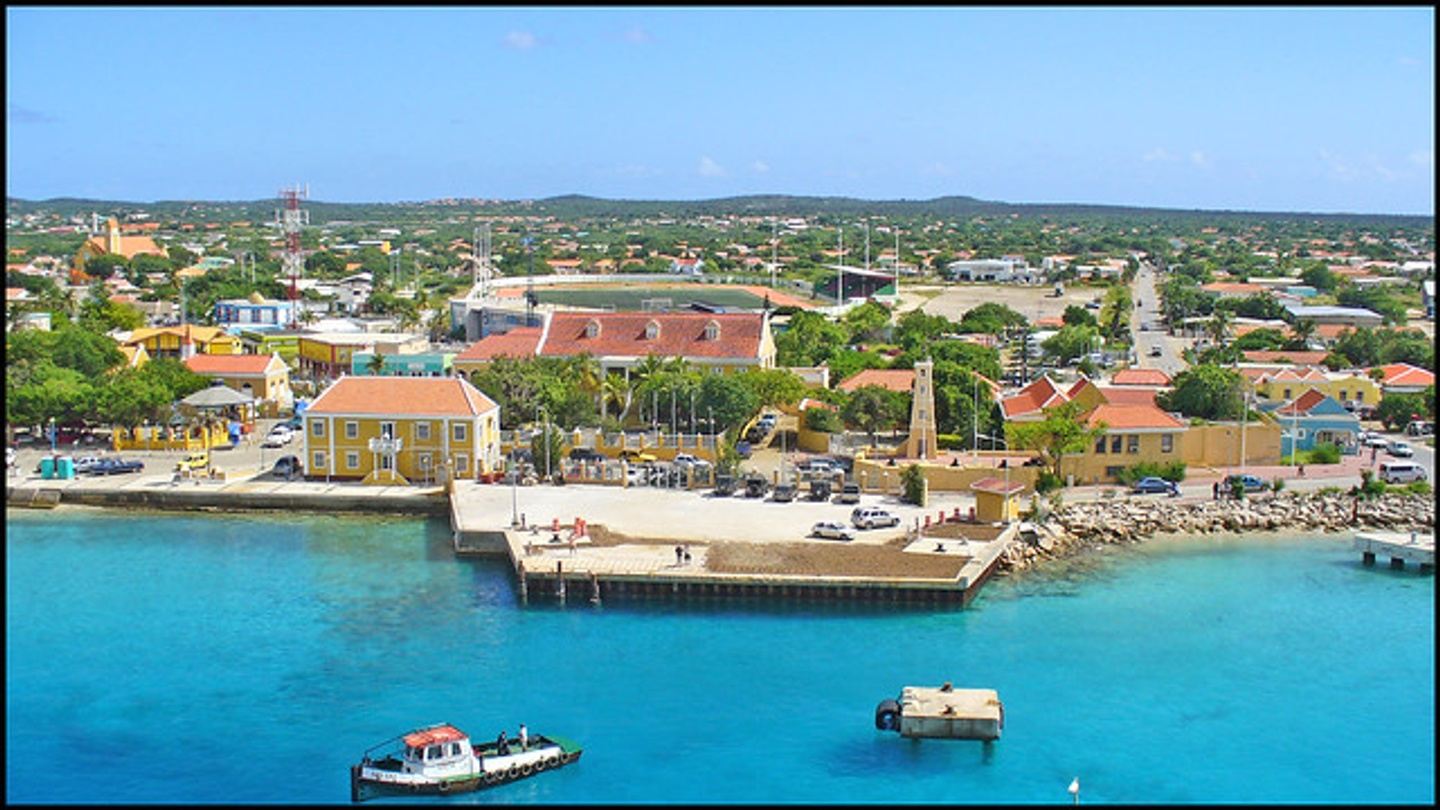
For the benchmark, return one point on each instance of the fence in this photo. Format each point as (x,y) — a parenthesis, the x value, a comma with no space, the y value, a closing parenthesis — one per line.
(155,437)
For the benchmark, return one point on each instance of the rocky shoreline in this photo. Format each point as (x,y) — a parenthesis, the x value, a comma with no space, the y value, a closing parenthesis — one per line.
(1086,525)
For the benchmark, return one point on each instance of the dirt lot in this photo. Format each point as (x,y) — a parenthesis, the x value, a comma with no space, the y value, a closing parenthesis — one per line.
(1035,301)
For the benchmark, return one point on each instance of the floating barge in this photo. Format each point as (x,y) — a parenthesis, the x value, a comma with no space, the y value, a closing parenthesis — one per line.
(943,712)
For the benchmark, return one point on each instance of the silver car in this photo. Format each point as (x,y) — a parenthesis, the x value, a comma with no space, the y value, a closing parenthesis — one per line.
(832,531)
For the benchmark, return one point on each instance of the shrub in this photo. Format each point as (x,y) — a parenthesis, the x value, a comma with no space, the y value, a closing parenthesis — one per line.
(1277,484)
(912,480)
(949,441)
(1370,486)
(1419,488)
(1325,453)
(1170,471)
(822,420)
(1048,481)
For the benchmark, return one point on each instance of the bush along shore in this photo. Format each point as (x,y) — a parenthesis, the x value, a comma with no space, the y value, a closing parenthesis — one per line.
(1085,525)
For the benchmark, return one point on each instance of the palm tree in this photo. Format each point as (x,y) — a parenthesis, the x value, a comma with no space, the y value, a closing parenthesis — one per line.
(588,376)
(1303,331)
(616,389)
(1218,327)
(376,365)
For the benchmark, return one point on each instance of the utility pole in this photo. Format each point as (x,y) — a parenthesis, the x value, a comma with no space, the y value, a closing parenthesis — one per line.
(774,248)
(897,265)
(840,287)
(867,244)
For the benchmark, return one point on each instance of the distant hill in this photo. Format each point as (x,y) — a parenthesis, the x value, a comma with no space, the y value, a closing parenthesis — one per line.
(576,205)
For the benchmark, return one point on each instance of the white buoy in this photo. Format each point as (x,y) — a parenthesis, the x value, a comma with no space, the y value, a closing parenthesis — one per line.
(1075,789)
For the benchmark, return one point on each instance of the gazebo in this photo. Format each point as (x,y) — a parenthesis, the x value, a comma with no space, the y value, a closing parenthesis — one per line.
(223,403)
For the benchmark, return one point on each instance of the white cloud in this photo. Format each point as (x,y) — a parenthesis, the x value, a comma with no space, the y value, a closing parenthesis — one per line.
(709,168)
(1158,154)
(520,40)
(637,36)
(760,167)
(1200,159)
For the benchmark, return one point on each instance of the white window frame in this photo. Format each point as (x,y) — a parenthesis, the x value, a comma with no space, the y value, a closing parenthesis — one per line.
(1167,443)
(459,432)
(317,428)
(422,431)
(352,459)
(352,429)
(387,430)
(319,458)
(462,462)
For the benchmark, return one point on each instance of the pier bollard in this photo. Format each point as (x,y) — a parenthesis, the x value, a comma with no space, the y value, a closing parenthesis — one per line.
(560,582)
(594,589)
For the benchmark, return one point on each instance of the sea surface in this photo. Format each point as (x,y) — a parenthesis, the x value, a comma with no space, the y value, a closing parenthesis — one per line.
(195,659)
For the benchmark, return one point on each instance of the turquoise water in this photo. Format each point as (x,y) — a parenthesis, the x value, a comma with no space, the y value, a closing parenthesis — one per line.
(251,659)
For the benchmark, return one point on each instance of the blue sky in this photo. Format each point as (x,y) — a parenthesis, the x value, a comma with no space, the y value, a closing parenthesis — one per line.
(1286,109)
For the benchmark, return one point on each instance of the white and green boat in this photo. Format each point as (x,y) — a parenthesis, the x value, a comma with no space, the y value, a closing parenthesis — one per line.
(440,759)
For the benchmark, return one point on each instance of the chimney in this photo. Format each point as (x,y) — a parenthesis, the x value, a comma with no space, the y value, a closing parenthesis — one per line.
(187,346)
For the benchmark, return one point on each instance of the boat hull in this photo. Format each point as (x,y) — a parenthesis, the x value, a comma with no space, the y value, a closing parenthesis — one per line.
(364,784)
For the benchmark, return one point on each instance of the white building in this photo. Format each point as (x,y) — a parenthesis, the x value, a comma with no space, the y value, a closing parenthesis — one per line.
(998,270)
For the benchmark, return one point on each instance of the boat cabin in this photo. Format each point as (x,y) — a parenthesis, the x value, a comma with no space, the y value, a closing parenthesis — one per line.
(435,747)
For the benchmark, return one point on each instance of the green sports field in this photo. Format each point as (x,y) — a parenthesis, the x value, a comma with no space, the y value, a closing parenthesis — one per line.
(631,298)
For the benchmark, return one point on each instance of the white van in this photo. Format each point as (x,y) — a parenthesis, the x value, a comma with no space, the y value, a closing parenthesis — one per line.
(1401,472)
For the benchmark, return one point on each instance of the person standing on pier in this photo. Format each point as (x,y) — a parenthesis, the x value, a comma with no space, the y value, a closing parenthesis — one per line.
(524,738)
(679,556)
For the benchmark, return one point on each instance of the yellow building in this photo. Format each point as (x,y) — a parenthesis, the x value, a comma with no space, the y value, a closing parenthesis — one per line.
(169,341)
(996,500)
(264,377)
(114,242)
(400,429)
(1285,384)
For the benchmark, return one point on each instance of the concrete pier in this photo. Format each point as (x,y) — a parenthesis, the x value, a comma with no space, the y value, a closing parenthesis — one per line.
(625,559)
(1400,548)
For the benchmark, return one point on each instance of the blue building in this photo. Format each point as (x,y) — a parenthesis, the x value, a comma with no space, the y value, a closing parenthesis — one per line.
(254,313)
(1315,418)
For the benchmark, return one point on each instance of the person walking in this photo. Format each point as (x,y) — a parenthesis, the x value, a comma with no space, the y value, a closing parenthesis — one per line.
(1215,491)
(524,738)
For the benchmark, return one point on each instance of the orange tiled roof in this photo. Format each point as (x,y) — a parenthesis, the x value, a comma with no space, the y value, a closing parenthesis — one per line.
(520,342)
(682,334)
(894,379)
(1232,287)
(997,486)
(402,396)
(230,365)
(1295,374)
(1297,358)
(1039,394)
(1127,396)
(1140,376)
(1132,417)
(1404,374)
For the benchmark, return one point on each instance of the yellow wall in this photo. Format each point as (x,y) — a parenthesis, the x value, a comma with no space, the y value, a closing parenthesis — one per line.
(482,433)
(164,438)
(991,507)
(1089,467)
(1218,444)
(1354,387)
(266,389)
(875,475)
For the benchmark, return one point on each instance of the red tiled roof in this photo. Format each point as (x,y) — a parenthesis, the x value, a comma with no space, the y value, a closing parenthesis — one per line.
(402,396)
(229,364)
(519,342)
(1037,395)
(432,736)
(1404,374)
(1303,403)
(1140,376)
(1298,358)
(997,486)
(1132,417)
(894,379)
(682,334)
(1128,396)
(1331,330)
(1232,287)
(1295,374)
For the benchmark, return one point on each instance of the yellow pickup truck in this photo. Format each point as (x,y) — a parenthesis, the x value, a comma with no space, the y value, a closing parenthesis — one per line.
(197,461)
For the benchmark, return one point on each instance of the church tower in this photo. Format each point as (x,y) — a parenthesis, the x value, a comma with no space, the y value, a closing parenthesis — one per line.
(112,236)
(921,442)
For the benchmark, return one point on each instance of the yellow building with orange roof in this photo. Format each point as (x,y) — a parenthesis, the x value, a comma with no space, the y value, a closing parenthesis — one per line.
(393,430)
(113,241)
(170,341)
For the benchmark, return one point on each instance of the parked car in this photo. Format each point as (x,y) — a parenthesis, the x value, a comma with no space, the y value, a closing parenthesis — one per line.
(783,493)
(9,457)
(1154,483)
(286,467)
(850,493)
(1252,483)
(279,436)
(1420,428)
(194,461)
(724,486)
(831,530)
(116,466)
(1401,472)
(869,517)
(636,457)
(1376,440)
(742,449)
(1156,351)
(756,485)
(586,454)
(686,461)
(820,489)
(86,464)
(1400,449)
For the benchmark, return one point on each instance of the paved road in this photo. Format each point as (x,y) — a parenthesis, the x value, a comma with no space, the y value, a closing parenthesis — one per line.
(1148,312)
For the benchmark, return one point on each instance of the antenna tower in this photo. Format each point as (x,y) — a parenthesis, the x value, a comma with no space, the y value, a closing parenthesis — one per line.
(290,218)
(480,264)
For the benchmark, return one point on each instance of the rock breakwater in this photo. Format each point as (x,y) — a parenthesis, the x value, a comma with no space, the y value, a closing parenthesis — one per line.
(1083,525)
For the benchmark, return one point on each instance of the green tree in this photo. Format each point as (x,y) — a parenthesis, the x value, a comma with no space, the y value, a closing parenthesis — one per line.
(822,420)
(809,340)
(106,265)
(1059,434)
(774,386)
(1397,410)
(1260,340)
(1076,315)
(1318,275)
(1204,392)
(1070,342)
(376,364)
(867,321)
(915,329)
(990,318)
(873,408)
(1116,311)
(912,484)
(731,401)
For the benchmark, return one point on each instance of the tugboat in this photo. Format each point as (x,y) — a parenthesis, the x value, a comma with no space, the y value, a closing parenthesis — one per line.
(440,759)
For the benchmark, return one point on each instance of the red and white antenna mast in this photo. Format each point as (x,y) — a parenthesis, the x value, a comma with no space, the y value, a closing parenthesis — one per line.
(290,218)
